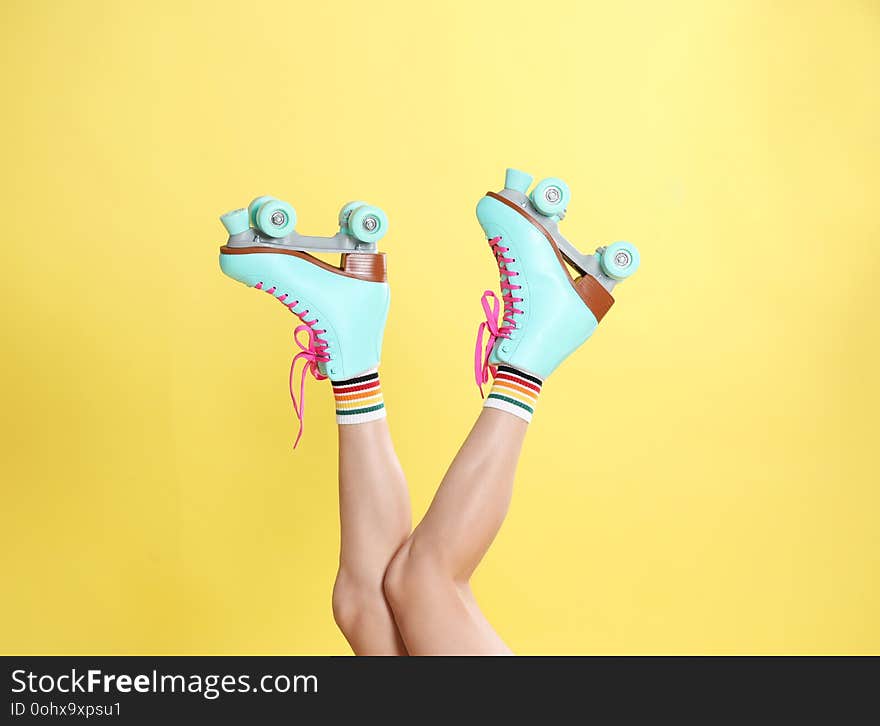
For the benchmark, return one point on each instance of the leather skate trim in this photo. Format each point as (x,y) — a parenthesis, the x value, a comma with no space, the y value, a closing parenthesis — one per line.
(370,266)
(588,288)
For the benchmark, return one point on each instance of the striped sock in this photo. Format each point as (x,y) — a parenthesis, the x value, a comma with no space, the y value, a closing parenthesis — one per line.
(515,392)
(359,399)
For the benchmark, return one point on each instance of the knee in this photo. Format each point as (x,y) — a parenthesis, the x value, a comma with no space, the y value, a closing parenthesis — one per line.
(411,575)
(354,602)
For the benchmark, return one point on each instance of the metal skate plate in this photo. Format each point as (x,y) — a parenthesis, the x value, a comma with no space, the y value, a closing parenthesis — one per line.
(338,243)
(586,264)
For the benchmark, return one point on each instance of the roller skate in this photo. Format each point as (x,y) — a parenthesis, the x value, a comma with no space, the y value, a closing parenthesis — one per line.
(547,312)
(341,309)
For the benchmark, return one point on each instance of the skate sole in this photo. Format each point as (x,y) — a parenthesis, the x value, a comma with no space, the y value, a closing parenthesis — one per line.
(588,288)
(358,265)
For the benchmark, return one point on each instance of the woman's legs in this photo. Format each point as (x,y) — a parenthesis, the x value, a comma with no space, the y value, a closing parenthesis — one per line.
(375,519)
(547,313)
(427,581)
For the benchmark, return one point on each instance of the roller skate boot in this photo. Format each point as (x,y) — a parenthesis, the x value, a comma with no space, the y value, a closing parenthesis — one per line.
(341,310)
(547,312)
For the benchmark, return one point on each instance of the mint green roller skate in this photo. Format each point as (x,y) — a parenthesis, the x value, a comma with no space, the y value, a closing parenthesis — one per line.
(342,310)
(547,312)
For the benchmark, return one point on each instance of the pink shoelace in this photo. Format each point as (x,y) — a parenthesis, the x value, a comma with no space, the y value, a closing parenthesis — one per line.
(313,351)
(491,305)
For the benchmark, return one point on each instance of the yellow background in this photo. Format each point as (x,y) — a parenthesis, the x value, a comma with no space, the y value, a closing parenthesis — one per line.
(701,478)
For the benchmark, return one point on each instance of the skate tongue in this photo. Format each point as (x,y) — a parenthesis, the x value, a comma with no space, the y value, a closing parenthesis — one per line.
(312,352)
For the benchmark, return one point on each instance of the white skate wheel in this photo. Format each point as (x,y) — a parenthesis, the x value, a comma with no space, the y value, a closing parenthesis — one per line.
(276,218)
(254,207)
(368,224)
(620,260)
(551,196)
(346,211)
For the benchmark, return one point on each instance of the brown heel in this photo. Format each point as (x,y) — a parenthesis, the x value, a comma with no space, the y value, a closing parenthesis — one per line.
(596,297)
(365,265)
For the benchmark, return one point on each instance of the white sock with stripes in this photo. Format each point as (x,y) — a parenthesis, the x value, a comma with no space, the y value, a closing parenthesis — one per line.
(515,392)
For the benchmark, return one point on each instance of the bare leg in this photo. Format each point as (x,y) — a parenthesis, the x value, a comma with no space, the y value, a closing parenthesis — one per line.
(374,512)
(427,582)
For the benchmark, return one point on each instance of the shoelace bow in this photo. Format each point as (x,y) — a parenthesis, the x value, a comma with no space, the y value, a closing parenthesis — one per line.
(314,351)
(491,306)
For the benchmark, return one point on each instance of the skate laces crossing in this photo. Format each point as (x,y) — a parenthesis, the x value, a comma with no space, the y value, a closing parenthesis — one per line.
(312,351)
(491,306)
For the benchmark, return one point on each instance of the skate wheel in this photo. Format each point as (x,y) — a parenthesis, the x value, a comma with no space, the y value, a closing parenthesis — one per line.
(620,260)
(551,196)
(254,207)
(276,218)
(346,211)
(368,224)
